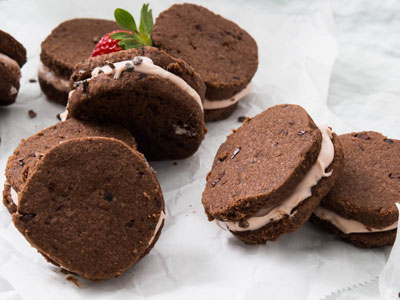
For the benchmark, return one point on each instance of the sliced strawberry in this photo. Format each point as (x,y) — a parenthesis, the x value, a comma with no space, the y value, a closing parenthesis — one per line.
(107,44)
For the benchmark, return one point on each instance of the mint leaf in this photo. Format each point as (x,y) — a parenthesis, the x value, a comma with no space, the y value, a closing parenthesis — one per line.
(125,20)
(129,44)
(146,19)
(121,35)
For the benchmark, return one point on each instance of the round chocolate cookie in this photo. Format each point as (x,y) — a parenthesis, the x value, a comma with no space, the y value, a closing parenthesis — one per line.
(155,96)
(93,206)
(224,55)
(271,173)
(361,206)
(68,44)
(12,58)
(30,151)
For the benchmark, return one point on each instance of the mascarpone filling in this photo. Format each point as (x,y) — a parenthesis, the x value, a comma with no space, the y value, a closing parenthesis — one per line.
(145,65)
(346,225)
(14,66)
(50,77)
(301,193)
(217,104)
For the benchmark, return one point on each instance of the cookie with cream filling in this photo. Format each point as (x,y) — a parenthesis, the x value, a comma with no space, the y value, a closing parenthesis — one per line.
(271,173)
(93,206)
(68,44)
(224,55)
(12,58)
(361,206)
(154,95)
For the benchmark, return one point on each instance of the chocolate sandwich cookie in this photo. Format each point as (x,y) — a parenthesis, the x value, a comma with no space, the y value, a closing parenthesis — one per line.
(271,173)
(12,58)
(69,43)
(361,208)
(93,206)
(30,151)
(157,97)
(224,55)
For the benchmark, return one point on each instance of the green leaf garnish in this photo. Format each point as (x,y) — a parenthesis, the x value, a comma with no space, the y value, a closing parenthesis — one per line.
(135,37)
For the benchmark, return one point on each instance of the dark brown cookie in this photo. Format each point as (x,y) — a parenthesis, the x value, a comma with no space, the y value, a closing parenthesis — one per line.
(271,158)
(30,151)
(12,58)
(126,88)
(68,44)
(224,55)
(362,202)
(93,206)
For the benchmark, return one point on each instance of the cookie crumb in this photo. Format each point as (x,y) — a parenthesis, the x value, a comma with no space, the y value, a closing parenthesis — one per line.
(32,114)
(74,280)
(241,119)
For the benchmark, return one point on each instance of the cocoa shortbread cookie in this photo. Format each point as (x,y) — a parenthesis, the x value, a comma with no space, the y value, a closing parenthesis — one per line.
(224,55)
(93,206)
(361,208)
(68,44)
(12,58)
(157,97)
(271,173)
(30,151)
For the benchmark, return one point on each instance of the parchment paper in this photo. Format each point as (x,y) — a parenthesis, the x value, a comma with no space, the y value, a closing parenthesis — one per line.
(195,259)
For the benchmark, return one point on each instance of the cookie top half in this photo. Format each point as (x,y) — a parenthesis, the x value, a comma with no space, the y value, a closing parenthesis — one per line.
(154,95)
(30,151)
(369,186)
(71,42)
(12,48)
(93,206)
(261,163)
(224,54)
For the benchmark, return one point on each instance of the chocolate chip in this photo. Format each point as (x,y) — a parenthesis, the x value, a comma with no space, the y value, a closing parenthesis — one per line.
(32,114)
(59,116)
(107,196)
(241,119)
(388,141)
(137,60)
(21,162)
(394,175)
(302,133)
(129,67)
(235,152)
(283,132)
(362,136)
(32,80)
(243,223)
(142,76)
(291,122)
(111,65)
(236,77)
(361,148)
(27,217)
(100,72)
(130,224)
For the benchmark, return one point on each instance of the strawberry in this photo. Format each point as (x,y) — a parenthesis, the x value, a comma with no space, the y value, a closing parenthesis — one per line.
(107,44)
(131,37)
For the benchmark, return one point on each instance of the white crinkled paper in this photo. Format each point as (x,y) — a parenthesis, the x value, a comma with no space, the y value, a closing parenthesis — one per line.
(195,259)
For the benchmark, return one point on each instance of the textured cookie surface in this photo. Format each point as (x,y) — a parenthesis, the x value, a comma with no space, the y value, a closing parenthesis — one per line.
(261,163)
(71,42)
(93,207)
(224,54)
(303,211)
(166,121)
(368,188)
(30,151)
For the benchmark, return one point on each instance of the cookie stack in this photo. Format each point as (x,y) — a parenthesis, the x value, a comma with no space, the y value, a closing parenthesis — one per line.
(85,198)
